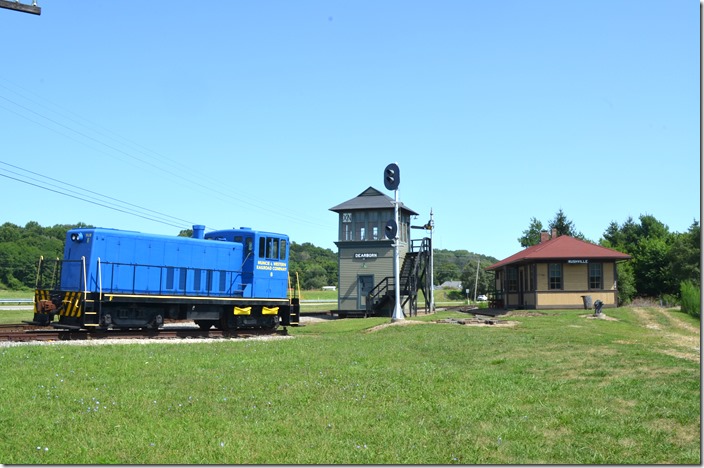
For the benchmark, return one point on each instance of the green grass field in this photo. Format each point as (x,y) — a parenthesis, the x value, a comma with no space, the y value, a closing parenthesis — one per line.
(554,387)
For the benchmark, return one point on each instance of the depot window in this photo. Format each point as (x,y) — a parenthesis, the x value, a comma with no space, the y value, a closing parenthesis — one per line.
(555,276)
(512,279)
(596,277)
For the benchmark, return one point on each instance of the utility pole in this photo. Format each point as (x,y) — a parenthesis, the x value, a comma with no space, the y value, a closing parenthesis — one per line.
(431,225)
(17,6)
(476,280)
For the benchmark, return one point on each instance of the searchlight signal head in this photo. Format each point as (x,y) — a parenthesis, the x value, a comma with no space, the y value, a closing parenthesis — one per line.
(392,176)
(391,229)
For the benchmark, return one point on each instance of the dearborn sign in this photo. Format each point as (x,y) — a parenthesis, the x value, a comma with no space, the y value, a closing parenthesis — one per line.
(366,255)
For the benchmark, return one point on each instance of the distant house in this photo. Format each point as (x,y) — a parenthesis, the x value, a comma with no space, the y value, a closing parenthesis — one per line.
(450,285)
(558,273)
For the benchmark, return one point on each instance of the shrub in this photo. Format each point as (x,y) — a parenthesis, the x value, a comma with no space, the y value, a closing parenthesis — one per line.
(626,283)
(690,298)
(669,300)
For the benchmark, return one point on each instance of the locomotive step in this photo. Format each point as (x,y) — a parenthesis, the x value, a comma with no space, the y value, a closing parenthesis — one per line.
(64,326)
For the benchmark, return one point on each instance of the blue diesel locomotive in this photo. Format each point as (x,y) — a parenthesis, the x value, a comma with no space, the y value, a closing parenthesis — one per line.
(229,279)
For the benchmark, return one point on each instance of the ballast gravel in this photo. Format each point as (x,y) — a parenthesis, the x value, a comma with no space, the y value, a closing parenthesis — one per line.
(106,341)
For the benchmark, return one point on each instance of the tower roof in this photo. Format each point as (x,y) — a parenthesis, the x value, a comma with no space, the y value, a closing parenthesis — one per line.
(371,198)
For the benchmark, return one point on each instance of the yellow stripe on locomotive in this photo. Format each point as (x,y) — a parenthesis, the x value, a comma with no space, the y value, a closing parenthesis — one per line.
(72,304)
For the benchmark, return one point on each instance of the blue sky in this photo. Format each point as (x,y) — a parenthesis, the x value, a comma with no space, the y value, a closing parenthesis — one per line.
(268,113)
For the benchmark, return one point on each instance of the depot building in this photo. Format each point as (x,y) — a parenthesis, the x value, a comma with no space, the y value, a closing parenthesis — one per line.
(561,272)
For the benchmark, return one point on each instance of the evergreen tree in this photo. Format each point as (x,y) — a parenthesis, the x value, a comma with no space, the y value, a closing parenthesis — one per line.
(564,226)
(531,236)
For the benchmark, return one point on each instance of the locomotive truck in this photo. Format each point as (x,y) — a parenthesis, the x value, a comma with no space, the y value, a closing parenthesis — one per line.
(111,279)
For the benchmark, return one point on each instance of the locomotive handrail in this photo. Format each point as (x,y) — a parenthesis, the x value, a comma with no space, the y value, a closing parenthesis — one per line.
(85,282)
(39,269)
(55,273)
(100,279)
(245,259)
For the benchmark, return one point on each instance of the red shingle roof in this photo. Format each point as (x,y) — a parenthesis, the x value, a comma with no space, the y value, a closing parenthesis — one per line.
(561,248)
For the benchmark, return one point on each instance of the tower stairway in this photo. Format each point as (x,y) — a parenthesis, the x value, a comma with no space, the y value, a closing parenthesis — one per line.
(414,276)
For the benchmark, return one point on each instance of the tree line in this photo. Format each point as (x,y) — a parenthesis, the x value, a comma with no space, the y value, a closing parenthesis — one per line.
(22,246)
(661,260)
(315,267)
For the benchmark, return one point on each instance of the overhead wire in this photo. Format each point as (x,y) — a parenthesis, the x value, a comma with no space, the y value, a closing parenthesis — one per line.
(160,158)
(161,217)
(94,202)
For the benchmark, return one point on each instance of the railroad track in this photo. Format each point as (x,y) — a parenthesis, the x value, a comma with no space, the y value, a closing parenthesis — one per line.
(24,332)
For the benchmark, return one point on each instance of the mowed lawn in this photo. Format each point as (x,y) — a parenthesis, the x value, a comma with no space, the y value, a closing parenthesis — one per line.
(539,387)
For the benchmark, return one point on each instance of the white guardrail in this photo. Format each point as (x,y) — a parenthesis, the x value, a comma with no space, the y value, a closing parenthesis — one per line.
(16,301)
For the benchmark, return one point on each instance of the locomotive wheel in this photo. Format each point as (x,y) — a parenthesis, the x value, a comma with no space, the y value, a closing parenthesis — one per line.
(157,323)
(228,322)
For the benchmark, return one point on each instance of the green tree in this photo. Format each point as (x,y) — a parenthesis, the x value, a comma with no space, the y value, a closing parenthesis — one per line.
(315,266)
(684,257)
(21,248)
(564,226)
(314,276)
(560,223)
(650,266)
(445,272)
(626,282)
(531,236)
(661,260)
(484,281)
(448,265)
(10,233)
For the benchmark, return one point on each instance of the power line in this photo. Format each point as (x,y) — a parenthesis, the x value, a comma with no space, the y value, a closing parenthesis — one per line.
(161,159)
(61,183)
(88,201)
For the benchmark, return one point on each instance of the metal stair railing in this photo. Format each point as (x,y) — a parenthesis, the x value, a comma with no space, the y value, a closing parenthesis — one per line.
(412,277)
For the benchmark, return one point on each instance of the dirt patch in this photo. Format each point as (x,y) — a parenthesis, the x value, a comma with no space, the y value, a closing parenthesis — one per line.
(399,323)
(601,316)
(679,338)
(523,313)
(465,322)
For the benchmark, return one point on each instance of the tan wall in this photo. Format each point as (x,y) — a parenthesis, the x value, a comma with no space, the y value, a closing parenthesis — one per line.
(575,277)
(575,283)
(542,272)
(574,299)
(609,276)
